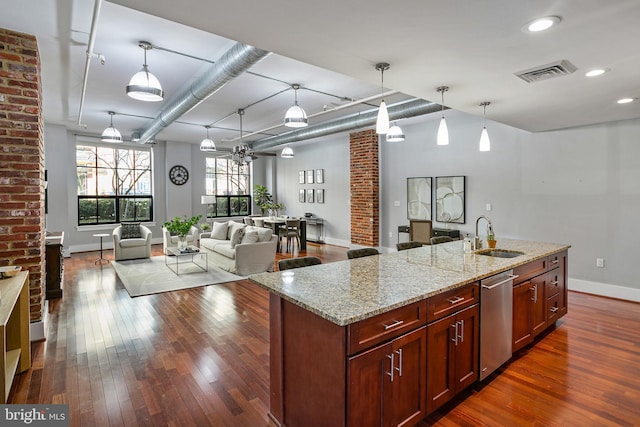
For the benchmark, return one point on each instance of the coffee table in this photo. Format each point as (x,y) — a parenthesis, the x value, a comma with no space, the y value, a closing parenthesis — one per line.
(188,255)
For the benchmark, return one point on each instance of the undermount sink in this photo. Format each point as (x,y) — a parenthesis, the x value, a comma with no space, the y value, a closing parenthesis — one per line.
(500,253)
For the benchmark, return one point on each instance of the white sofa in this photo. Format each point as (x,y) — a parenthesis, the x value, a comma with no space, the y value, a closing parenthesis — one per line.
(244,258)
(131,248)
(169,241)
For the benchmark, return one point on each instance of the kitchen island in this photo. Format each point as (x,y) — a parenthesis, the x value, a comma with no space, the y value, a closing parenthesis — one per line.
(349,339)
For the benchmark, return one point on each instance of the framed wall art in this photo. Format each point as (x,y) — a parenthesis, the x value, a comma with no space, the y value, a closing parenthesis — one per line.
(301,195)
(301,175)
(319,176)
(310,195)
(320,195)
(450,200)
(419,197)
(310,177)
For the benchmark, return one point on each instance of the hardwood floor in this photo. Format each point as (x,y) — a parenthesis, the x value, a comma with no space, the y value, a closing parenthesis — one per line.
(200,357)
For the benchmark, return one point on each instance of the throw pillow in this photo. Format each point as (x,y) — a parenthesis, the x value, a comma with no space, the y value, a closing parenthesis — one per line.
(264,234)
(233,226)
(237,236)
(219,231)
(130,230)
(250,237)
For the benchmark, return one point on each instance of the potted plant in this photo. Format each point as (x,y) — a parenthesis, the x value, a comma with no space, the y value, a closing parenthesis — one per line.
(272,208)
(491,238)
(180,227)
(205,227)
(262,197)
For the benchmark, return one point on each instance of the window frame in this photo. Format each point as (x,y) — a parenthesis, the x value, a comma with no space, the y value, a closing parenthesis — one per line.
(227,205)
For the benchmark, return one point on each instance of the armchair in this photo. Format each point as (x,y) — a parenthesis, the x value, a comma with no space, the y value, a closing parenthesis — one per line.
(139,247)
(169,241)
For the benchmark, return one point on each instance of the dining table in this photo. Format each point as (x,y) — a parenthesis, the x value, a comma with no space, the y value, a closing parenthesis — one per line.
(276,222)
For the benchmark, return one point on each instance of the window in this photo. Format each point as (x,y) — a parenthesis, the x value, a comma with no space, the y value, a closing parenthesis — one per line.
(229,182)
(113,184)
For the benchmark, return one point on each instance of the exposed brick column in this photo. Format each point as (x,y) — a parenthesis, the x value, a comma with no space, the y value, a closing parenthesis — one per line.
(22,162)
(365,185)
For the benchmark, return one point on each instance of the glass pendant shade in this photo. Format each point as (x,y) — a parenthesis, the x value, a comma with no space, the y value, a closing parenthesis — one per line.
(111,134)
(287,153)
(443,132)
(395,134)
(207,144)
(144,86)
(485,143)
(382,122)
(296,117)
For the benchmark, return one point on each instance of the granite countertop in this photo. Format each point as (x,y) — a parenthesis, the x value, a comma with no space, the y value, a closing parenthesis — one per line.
(345,292)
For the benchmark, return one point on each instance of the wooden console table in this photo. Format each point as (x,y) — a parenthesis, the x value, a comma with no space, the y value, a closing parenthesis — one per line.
(15,356)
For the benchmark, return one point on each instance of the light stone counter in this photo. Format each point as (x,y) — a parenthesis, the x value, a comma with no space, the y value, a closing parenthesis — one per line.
(345,292)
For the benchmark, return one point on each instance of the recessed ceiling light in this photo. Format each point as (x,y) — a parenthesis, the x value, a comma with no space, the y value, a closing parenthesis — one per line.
(595,72)
(626,100)
(541,24)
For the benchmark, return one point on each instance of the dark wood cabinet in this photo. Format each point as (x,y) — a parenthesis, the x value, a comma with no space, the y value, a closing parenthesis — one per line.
(54,264)
(539,297)
(387,384)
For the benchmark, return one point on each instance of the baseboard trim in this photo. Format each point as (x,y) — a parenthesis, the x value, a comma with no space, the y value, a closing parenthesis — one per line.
(604,289)
(38,330)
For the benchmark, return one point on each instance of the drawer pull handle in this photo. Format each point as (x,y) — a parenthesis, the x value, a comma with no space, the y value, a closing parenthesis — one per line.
(553,283)
(390,373)
(455,334)
(455,300)
(554,261)
(393,325)
(553,309)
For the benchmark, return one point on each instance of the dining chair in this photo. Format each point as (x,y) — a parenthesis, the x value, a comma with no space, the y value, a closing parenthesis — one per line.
(258,222)
(441,239)
(408,245)
(362,252)
(248,220)
(305,261)
(290,230)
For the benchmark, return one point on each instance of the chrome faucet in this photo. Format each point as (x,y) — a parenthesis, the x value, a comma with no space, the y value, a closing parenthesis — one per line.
(477,242)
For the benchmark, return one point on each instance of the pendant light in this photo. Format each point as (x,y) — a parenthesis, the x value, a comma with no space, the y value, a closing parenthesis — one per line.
(296,116)
(485,143)
(443,131)
(395,134)
(111,134)
(144,86)
(382,122)
(287,152)
(207,144)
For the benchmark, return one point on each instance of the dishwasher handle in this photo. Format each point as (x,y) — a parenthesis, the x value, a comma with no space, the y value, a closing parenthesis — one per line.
(511,277)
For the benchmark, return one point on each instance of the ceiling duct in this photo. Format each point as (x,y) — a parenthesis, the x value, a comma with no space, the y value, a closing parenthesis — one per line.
(400,110)
(234,62)
(548,71)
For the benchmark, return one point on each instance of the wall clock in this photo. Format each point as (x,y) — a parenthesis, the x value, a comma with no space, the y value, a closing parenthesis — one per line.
(179,175)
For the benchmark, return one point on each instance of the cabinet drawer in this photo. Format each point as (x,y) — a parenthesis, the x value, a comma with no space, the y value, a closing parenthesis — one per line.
(529,270)
(553,308)
(439,306)
(554,283)
(380,328)
(555,260)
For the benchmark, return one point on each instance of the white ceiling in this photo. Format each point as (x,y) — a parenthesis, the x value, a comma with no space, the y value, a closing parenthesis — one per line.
(471,46)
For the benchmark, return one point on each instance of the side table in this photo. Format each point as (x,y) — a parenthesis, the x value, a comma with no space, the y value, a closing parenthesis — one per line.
(101,236)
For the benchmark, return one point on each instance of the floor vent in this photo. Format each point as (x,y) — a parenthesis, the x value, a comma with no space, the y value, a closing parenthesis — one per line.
(548,71)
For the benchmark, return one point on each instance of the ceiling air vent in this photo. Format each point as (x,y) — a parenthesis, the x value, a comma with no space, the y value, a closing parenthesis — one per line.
(548,71)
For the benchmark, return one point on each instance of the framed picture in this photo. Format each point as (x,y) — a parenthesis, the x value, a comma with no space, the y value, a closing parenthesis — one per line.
(419,196)
(319,176)
(310,177)
(301,175)
(301,195)
(320,195)
(450,202)
(310,195)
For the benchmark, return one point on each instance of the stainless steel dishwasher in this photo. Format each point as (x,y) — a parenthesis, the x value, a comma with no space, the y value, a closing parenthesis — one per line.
(496,320)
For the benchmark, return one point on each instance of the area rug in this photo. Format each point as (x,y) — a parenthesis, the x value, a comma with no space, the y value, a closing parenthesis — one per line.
(152,276)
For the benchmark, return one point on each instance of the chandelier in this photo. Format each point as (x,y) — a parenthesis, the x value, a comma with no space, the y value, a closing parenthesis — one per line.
(242,155)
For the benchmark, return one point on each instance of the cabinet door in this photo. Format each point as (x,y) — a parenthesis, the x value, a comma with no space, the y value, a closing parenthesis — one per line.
(409,381)
(368,386)
(441,382)
(538,303)
(467,347)
(522,309)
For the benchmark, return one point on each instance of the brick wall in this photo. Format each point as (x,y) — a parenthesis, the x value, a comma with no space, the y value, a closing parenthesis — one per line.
(22,162)
(365,185)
